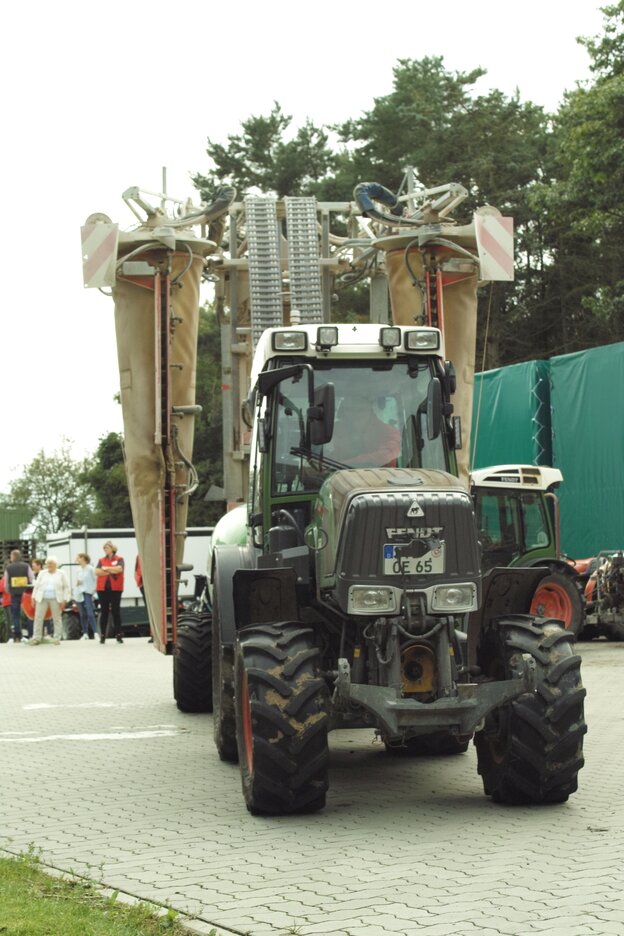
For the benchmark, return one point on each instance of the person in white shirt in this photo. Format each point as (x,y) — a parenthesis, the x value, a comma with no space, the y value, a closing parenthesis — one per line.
(52,590)
(83,593)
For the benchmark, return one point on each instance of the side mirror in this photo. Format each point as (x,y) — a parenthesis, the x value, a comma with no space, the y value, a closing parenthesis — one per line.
(434,408)
(320,417)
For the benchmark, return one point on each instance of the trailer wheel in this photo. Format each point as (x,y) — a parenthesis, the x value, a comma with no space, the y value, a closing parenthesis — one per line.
(192,687)
(589,632)
(71,628)
(614,630)
(224,716)
(281,720)
(530,750)
(442,743)
(558,598)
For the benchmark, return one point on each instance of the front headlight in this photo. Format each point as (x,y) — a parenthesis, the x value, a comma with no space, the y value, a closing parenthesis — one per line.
(369,599)
(454,598)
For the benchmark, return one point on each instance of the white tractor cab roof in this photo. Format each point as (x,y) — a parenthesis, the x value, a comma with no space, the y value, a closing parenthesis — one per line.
(526,477)
(346,341)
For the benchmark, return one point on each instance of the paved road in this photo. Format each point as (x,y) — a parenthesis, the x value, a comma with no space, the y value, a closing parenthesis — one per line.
(101,772)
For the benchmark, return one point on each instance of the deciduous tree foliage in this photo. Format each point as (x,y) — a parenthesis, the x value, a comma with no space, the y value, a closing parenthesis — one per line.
(55,489)
(582,204)
(107,479)
(263,158)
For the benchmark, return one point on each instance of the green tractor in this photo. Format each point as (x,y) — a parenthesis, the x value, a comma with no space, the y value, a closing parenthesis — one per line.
(349,592)
(347,589)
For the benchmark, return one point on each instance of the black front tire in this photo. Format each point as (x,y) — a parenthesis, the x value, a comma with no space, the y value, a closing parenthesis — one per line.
(281,720)
(531,750)
(192,668)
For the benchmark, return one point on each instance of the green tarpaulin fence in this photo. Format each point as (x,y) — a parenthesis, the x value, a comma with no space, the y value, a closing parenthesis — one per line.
(511,416)
(569,413)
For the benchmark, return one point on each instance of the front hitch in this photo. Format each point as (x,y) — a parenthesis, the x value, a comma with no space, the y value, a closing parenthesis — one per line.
(463,711)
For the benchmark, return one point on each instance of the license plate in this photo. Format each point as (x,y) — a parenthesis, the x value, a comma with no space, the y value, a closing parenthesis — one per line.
(430,563)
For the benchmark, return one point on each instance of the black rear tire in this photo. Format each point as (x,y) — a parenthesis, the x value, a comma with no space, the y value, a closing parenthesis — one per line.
(192,669)
(281,720)
(531,750)
(224,715)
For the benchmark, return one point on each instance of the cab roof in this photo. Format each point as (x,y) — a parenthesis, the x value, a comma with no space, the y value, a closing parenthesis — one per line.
(526,477)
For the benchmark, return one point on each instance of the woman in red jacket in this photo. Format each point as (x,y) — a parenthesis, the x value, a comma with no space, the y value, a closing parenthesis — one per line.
(109,586)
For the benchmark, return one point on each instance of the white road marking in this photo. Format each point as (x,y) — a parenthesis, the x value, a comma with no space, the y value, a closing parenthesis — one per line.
(122,735)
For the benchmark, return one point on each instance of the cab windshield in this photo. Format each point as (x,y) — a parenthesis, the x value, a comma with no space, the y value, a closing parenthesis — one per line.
(380,422)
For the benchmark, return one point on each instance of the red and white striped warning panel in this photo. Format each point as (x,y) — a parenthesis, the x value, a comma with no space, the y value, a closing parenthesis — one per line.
(99,253)
(495,246)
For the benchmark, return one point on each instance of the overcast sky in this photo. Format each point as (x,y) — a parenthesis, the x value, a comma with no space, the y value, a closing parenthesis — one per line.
(99,97)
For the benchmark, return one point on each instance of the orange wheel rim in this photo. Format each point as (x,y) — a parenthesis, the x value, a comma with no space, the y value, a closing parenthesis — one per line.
(247,732)
(552,601)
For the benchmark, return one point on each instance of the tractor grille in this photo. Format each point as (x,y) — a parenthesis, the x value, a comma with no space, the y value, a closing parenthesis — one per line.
(376,523)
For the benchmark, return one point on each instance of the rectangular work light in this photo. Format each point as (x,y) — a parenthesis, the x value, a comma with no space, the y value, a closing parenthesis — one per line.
(389,338)
(326,337)
(425,339)
(289,341)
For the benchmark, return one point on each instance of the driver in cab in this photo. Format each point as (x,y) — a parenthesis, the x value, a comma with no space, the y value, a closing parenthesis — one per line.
(361,439)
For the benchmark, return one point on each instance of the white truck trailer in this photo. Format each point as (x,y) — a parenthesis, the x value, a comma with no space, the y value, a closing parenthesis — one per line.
(68,543)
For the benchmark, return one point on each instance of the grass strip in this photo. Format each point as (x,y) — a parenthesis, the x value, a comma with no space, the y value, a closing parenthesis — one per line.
(33,903)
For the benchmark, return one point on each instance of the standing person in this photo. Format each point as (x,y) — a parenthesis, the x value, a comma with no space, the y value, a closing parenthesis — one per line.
(83,593)
(6,611)
(52,590)
(110,583)
(17,577)
(28,605)
(37,565)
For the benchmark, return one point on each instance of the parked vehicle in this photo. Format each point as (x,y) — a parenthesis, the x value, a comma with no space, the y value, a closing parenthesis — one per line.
(517,517)
(603,580)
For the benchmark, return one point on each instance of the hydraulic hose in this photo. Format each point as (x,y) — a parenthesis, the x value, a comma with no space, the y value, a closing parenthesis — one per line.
(367,193)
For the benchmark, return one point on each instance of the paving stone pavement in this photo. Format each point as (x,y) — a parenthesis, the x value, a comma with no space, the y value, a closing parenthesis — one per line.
(101,772)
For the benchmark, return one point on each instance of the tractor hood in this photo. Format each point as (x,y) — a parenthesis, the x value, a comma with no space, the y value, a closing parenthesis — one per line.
(396,527)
